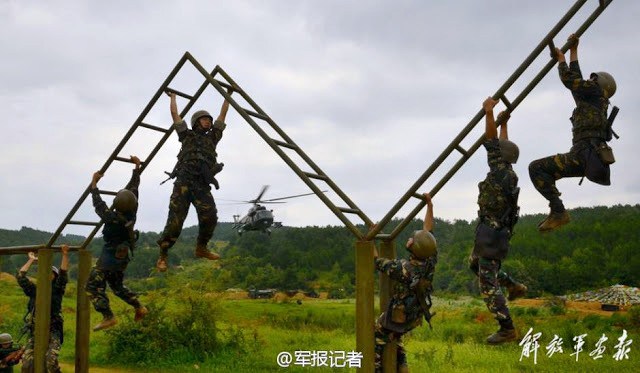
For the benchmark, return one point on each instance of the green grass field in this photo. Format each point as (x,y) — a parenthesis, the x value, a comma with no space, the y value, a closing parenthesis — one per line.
(249,334)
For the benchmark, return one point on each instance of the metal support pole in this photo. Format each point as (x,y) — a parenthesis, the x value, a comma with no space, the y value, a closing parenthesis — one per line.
(82,313)
(387,250)
(364,304)
(43,309)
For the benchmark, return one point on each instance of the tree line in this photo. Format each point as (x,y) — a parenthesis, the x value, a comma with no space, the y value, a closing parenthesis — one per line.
(599,248)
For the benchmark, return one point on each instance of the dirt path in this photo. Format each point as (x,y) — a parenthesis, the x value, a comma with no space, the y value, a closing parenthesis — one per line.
(583,307)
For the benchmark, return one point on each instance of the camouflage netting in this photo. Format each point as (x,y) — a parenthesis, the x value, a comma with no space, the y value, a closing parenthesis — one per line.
(617,294)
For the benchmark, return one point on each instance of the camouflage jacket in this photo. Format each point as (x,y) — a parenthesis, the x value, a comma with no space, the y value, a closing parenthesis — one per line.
(589,118)
(7,366)
(404,311)
(118,229)
(57,291)
(498,197)
(197,157)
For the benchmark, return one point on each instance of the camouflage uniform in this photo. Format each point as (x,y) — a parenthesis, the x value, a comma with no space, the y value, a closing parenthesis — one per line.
(195,170)
(498,214)
(7,366)
(589,127)
(56,327)
(119,239)
(413,279)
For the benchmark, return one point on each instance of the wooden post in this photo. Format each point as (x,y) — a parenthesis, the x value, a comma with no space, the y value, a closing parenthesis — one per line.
(364,304)
(43,309)
(83,313)
(387,250)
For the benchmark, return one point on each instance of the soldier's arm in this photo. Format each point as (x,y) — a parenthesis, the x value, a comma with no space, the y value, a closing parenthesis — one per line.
(573,49)
(134,183)
(490,131)
(502,119)
(219,125)
(173,108)
(428,218)
(392,268)
(27,286)
(99,205)
(62,279)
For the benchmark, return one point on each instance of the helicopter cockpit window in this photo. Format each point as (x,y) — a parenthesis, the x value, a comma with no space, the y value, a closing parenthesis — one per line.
(261,214)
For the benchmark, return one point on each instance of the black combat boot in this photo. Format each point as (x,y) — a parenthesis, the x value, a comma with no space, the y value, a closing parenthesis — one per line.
(506,333)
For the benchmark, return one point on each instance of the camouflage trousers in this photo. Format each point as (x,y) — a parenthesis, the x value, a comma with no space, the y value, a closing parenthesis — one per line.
(51,357)
(184,194)
(384,336)
(545,171)
(97,290)
(491,277)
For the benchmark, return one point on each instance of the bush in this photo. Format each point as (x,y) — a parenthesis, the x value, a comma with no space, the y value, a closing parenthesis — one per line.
(184,334)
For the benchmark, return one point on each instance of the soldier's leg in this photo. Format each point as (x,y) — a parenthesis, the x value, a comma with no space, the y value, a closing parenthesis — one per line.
(473,264)
(97,290)
(27,357)
(514,288)
(207,221)
(495,300)
(115,280)
(51,357)
(401,357)
(178,209)
(544,173)
(382,337)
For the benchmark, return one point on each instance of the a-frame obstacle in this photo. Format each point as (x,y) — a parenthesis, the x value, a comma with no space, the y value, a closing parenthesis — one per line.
(364,244)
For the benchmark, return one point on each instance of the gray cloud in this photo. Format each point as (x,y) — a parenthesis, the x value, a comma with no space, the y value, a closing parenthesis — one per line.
(372,92)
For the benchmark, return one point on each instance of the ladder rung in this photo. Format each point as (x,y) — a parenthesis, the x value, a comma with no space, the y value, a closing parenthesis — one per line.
(552,49)
(382,236)
(461,150)
(316,176)
(155,128)
(285,144)
(77,222)
(254,114)
(602,3)
(108,192)
(349,210)
(178,93)
(127,160)
(506,102)
(418,196)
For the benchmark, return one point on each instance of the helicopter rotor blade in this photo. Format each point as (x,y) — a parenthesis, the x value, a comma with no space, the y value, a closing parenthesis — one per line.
(265,202)
(298,195)
(257,199)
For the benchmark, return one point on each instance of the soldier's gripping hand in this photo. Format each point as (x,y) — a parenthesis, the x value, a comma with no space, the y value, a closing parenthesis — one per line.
(489,104)
(33,256)
(95,178)
(136,161)
(573,41)
(560,56)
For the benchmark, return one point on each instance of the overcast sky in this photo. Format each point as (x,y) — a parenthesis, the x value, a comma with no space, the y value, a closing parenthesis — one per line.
(372,92)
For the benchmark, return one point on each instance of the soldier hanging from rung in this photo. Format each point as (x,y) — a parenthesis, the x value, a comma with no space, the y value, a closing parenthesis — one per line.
(196,169)
(590,155)
(498,214)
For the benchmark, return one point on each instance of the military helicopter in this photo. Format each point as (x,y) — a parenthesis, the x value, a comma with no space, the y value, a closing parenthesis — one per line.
(259,218)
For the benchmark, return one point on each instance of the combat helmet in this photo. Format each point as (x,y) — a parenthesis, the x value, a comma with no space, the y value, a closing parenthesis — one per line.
(5,338)
(606,82)
(424,244)
(199,114)
(125,201)
(509,150)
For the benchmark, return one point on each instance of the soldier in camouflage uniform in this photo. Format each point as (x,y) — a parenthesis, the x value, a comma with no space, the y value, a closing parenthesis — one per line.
(195,171)
(498,214)
(590,125)
(58,284)
(10,355)
(411,298)
(119,239)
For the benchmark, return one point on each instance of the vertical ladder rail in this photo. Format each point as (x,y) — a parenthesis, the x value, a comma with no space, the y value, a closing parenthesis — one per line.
(500,93)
